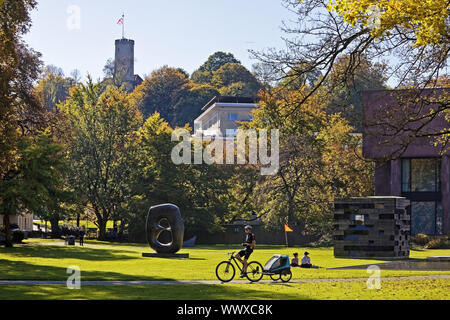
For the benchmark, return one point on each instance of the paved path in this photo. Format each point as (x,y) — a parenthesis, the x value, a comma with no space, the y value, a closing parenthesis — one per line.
(211,282)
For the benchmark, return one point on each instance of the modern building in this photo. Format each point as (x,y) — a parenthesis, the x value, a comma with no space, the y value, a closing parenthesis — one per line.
(412,168)
(24,222)
(221,115)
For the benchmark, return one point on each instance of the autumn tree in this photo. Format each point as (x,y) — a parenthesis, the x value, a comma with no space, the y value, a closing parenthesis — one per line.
(233,79)
(215,61)
(53,89)
(160,91)
(103,148)
(412,36)
(317,163)
(37,183)
(343,94)
(192,99)
(21,114)
(171,93)
(424,23)
(200,191)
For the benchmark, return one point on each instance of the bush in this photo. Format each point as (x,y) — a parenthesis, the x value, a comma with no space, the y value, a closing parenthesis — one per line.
(421,239)
(18,236)
(439,243)
(324,241)
(69,231)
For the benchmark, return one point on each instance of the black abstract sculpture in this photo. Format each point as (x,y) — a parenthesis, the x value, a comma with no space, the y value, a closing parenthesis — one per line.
(171,215)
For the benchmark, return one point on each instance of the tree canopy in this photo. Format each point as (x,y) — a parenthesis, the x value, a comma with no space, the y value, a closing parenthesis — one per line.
(425,22)
(102,148)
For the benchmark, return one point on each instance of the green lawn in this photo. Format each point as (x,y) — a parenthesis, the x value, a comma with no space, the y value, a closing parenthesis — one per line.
(45,260)
(390,290)
(83,223)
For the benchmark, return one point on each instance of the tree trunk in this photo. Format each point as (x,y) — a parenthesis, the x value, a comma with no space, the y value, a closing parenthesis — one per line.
(78,219)
(290,220)
(122,227)
(54,222)
(8,242)
(291,209)
(102,229)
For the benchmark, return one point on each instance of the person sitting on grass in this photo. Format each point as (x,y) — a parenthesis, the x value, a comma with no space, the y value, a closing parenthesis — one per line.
(294,262)
(249,246)
(306,261)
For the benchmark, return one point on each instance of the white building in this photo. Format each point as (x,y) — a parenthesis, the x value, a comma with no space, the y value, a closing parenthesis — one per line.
(221,114)
(24,221)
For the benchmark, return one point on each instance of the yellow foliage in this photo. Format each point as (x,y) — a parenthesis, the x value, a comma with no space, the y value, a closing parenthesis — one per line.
(425,18)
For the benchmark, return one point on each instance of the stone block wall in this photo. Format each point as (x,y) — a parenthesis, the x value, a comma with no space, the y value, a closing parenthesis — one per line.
(372,227)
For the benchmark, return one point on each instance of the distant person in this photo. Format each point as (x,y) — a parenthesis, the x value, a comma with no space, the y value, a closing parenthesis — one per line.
(249,245)
(306,261)
(294,262)
(81,234)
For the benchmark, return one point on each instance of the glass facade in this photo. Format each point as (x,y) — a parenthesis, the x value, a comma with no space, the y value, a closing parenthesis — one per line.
(421,183)
(426,217)
(421,175)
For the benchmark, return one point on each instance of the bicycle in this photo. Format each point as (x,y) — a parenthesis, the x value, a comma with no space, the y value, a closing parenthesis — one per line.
(225,270)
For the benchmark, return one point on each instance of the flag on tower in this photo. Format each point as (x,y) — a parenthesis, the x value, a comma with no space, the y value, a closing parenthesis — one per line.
(122,23)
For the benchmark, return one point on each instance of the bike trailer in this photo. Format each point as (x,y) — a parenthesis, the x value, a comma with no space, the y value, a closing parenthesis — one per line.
(277,264)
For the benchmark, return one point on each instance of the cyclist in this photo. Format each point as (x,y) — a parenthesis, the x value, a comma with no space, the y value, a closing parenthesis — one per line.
(249,245)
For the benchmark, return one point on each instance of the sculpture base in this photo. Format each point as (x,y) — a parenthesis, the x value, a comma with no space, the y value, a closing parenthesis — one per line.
(165,255)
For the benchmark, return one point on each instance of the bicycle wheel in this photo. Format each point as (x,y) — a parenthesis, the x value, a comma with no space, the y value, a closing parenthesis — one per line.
(286,277)
(225,271)
(275,277)
(254,271)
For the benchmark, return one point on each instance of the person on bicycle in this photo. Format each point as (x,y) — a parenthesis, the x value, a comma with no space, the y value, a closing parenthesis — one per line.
(249,245)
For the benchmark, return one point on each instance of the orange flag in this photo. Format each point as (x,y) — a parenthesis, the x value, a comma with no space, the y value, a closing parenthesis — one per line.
(287,229)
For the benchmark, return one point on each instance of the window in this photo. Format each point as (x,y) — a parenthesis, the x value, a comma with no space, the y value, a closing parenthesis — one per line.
(439,229)
(406,175)
(421,175)
(426,217)
(231,132)
(210,122)
(232,116)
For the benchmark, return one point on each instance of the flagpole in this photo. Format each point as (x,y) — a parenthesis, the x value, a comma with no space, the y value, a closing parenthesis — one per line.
(285,234)
(123,26)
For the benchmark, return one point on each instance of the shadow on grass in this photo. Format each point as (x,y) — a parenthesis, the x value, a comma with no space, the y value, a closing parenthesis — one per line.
(19,270)
(238,247)
(152,292)
(67,252)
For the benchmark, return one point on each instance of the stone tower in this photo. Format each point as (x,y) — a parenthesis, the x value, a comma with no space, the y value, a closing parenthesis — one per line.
(124,60)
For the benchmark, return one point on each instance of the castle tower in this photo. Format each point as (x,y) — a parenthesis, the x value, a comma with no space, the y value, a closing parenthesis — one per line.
(124,60)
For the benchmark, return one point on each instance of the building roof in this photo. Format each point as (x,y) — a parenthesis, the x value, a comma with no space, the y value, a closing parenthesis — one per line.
(229,99)
(137,80)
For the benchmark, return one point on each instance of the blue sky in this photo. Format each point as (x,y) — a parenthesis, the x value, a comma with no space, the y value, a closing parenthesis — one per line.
(178,33)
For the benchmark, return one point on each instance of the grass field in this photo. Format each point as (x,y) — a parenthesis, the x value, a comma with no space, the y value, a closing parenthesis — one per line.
(73,223)
(41,259)
(390,290)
